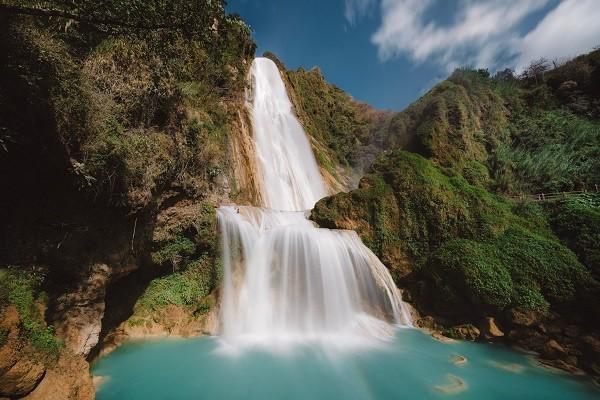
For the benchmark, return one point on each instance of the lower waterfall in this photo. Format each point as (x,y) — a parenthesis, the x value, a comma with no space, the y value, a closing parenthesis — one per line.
(284,278)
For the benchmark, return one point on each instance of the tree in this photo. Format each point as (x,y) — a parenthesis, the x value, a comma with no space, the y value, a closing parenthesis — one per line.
(192,17)
(536,70)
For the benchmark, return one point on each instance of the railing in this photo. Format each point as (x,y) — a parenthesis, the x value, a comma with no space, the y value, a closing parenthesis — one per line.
(555,195)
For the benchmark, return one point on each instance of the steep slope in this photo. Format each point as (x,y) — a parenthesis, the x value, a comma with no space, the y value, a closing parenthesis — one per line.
(466,254)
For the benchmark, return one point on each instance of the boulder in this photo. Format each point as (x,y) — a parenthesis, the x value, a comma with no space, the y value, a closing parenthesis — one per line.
(463,332)
(519,317)
(553,350)
(68,379)
(19,373)
(490,330)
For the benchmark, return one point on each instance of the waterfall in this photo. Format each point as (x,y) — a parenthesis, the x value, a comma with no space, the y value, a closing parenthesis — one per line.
(284,278)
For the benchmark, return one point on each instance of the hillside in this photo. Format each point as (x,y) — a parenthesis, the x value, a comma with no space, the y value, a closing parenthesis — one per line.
(466,253)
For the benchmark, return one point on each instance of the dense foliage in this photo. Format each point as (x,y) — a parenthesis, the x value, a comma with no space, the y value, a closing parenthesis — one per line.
(535,133)
(137,109)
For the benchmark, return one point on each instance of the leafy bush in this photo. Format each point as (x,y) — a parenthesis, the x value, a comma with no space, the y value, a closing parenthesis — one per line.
(576,221)
(473,270)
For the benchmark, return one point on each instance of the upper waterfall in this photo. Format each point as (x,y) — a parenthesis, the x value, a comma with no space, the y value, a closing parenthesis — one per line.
(290,178)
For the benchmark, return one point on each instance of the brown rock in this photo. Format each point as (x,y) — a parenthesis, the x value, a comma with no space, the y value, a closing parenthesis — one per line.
(490,330)
(553,350)
(21,378)
(464,332)
(521,317)
(19,373)
(572,331)
(80,312)
(68,379)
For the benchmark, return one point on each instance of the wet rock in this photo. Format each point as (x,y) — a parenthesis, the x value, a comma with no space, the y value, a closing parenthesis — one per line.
(489,329)
(458,360)
(553,350)
(441,338)
(561,365)
(572,331)
(463,332)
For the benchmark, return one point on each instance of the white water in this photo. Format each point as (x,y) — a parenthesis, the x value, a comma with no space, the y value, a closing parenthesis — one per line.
(284,278)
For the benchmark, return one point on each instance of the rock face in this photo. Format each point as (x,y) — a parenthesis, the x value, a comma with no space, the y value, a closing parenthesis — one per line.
(19,373)
(80,311)
(68,379)
(464,332)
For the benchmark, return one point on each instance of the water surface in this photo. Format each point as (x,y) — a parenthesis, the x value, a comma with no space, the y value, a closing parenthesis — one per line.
(413,366)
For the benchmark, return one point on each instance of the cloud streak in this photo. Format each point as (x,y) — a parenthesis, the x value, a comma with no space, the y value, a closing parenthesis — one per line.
(485,33)
(356,9)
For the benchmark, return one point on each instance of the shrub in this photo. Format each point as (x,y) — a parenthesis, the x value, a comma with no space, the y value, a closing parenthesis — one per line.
(576,221)
(472,270)
(21,289)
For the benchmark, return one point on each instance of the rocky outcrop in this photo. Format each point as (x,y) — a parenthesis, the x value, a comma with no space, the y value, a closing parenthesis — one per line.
(80,311)
(489,329)
(68,379)
(463,332)
(20,370)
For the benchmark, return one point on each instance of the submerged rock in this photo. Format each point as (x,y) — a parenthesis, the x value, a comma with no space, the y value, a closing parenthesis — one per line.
(457,385)
(458,360)
(510,367)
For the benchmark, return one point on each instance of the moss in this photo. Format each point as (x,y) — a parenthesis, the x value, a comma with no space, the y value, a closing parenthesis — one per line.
(21,289)
(544,262)
(472,270)
(576,221)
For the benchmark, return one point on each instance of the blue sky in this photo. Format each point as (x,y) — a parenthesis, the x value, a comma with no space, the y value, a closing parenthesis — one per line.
(389,52)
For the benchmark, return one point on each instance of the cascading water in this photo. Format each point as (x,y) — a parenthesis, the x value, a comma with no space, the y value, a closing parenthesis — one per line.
(284,278)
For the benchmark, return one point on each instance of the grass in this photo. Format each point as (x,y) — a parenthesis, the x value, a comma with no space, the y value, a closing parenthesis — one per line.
(187,288)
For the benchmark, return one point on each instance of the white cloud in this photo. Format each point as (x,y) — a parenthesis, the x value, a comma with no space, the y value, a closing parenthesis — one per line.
(483,32)
(572,28)
(355,9)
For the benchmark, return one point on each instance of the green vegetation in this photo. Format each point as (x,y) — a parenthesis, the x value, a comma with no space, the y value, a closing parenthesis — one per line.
(139,96)
(21,289)
(187,288)
(576,221)
(534,133)
(480,252)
